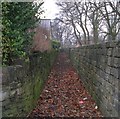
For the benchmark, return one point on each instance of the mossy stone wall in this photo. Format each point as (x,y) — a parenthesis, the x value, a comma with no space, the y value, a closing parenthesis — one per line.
(22,84)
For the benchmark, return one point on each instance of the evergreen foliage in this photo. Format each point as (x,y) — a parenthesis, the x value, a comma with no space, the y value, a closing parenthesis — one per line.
(19,20)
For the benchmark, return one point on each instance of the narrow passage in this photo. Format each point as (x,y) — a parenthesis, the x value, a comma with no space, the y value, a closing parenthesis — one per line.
(64,94)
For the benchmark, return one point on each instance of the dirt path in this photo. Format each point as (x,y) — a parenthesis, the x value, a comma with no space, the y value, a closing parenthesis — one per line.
(64,94)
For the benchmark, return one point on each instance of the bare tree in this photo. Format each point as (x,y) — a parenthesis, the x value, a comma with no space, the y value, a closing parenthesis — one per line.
(62,31)
(57,30)
(70,18)
(111,17)
(102,19)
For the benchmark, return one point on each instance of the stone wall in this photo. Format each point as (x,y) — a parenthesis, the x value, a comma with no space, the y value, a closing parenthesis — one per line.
(22,84)
(99,69)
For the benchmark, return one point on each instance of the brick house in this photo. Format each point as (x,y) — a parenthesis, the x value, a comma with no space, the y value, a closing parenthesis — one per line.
(42,37)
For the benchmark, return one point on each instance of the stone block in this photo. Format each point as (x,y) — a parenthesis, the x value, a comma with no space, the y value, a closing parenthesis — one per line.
(109,52)
(4,95)
(109,61)
(116,62)
(114,81)
(116,52)
(108,69)
(102,74)
(114,113)
(114,72)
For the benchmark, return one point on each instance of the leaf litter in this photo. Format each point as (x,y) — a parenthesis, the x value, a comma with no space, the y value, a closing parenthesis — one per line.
(64,94)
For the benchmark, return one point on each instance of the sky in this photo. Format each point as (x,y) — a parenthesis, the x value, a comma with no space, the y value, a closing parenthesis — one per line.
(50,8)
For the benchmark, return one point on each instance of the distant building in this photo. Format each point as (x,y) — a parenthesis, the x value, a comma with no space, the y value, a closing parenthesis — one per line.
(42,37)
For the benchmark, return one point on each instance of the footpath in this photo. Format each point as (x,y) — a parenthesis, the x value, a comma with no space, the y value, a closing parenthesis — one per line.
(64,94)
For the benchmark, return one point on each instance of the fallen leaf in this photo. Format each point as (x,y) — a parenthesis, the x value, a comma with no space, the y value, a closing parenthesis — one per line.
(85,98)
(81,102)
(96,107)
(64,94)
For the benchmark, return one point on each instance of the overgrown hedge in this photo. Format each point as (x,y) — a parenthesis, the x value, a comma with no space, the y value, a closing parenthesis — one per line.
(18,18)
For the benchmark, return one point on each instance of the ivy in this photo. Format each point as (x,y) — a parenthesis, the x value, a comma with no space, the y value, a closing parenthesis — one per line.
(18,20)
(55,44)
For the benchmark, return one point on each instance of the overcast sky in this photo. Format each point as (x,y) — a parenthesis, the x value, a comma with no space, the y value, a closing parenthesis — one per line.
(50,8)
